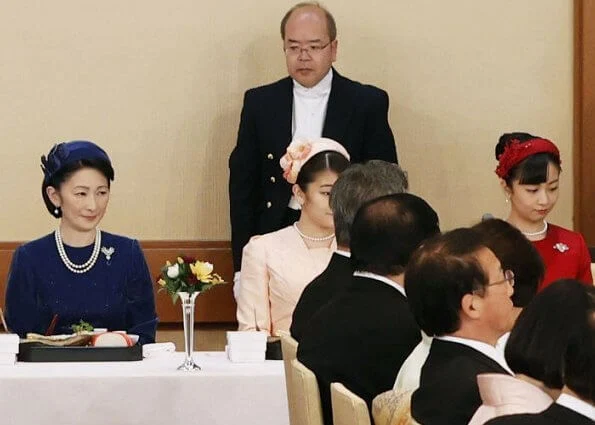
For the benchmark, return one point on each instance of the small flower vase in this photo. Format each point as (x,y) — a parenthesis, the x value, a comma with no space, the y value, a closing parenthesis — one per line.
(188,314)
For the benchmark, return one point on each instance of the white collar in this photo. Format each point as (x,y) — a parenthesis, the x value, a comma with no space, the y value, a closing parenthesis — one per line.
(322,89)
(502,341)
(484,348)
(578,405)
(343,253)
(381,279)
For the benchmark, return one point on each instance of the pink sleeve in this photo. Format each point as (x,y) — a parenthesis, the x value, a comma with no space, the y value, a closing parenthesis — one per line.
(253,299)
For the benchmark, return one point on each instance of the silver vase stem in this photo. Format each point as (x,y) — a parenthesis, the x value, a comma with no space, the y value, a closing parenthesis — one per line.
(188,301)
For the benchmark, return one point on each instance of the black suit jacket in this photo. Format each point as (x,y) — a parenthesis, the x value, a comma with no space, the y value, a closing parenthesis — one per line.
(319,292)
(553,415)
(360,338)
(448,392)
(356,117)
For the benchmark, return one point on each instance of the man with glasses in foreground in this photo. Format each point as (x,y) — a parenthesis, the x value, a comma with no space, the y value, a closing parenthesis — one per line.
(313,101)
(460,295)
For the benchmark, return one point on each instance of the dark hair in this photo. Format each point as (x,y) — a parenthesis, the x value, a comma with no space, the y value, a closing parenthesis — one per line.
(104,167)
(579,359)
(540,337)
(516,253)
(325,160)
(439,274)
(331,26)
(360,183)
(533,169)
(387,230)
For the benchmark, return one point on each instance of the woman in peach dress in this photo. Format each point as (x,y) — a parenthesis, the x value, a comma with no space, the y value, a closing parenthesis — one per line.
(277,266)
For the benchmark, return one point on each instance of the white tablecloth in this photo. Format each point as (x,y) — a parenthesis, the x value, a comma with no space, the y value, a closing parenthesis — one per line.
(144,393)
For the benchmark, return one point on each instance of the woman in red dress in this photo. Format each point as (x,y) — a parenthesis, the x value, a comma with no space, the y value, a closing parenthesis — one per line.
(529,169)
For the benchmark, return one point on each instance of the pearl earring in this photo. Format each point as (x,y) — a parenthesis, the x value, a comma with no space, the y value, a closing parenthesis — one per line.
(56,211)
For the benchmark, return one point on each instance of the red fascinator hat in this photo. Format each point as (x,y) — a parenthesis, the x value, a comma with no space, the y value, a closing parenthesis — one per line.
(516,152)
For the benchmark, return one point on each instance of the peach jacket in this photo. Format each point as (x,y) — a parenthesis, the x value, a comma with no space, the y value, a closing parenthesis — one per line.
(276,267)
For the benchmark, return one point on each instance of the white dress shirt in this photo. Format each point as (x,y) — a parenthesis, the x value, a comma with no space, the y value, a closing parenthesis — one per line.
(309,108)
(381,279)
(577,405)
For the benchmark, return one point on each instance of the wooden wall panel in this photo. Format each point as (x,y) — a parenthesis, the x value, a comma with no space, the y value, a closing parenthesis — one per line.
(214,306)
(584,124)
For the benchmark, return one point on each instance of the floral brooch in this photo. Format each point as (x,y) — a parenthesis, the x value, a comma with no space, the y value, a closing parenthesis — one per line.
(108,252)
(562,247)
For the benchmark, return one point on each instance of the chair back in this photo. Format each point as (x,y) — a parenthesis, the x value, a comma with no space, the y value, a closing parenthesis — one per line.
(307,409)
(289,349)
(348,408)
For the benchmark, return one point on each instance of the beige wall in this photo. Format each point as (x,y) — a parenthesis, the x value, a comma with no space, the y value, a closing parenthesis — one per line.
(159,85)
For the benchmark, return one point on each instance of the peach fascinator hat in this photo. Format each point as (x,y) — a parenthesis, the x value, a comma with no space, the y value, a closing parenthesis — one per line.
(300,151)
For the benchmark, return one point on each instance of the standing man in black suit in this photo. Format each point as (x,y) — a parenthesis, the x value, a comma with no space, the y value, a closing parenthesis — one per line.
(460,295)
(313,101)
(362,336)
(576,404)
(356,185)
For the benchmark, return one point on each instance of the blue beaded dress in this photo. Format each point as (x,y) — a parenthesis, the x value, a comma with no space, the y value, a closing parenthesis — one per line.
(117,293)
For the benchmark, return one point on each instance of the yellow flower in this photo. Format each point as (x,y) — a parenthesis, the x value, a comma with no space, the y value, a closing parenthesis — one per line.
(180,260)
(161,282)
(202,271)
(216,279)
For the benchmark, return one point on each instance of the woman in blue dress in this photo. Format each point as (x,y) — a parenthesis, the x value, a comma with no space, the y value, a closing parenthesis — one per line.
(78,272)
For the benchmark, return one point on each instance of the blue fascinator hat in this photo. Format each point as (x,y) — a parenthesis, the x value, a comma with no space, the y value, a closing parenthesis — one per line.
(63,154)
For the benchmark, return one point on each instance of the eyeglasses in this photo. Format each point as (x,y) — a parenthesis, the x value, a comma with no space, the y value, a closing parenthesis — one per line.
(311,49)
(508,277)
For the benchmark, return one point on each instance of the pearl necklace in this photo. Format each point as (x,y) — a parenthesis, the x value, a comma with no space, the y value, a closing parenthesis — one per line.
(312,238)
(78,268)
(538,233)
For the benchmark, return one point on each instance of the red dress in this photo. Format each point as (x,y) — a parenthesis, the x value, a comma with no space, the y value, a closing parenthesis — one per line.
(565,255)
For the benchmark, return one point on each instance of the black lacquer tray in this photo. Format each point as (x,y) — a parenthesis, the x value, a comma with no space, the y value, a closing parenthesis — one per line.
(37,352)
(273,351)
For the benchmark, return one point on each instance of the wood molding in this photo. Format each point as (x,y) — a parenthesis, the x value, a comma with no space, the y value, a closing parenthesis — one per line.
(214,306)
(584,118)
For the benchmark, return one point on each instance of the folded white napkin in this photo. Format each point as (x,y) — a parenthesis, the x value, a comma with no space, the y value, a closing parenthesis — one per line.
(8,359)
(9,343)
(244,356)
(158,349)
(247,340)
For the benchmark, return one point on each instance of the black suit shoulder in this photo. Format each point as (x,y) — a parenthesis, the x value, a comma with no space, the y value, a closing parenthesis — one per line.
(319,292)
(448,391)
(360,338)
(553,415)
(268,91)
(366,89)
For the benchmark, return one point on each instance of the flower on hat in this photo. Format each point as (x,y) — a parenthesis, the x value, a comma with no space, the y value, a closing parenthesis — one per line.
(294,158)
